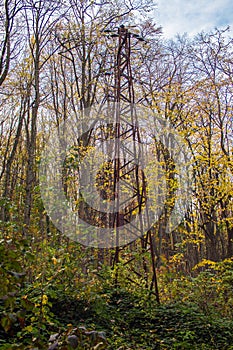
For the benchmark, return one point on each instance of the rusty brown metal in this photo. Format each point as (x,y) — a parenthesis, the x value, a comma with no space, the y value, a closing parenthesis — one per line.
(124,93)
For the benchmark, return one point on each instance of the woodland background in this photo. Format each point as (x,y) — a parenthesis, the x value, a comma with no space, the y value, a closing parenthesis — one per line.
(54,62)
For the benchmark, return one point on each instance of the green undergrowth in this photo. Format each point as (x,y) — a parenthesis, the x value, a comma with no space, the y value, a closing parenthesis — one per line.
(130,323)
(44,291)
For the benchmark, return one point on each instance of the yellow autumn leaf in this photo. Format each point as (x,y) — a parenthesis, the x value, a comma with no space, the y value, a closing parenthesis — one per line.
(44,299)
(29,328)
(54,260)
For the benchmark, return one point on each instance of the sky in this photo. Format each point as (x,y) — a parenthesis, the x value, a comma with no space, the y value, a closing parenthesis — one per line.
(193,16)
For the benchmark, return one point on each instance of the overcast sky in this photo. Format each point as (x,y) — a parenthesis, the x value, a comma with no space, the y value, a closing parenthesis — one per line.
(193,16)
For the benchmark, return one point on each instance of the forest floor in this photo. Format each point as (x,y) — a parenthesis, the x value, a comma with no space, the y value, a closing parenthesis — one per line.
(121,321)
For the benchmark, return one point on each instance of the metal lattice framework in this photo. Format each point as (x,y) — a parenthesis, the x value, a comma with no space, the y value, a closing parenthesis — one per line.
(128,172)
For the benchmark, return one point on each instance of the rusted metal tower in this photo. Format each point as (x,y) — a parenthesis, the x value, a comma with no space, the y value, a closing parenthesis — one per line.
(126,169)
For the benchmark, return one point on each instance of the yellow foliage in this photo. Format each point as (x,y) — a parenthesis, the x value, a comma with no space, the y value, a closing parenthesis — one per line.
(54,260)
(44,299)
(204,262)
(28,328)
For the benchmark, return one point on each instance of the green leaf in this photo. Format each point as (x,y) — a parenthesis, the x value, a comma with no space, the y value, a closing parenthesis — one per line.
(6,323)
